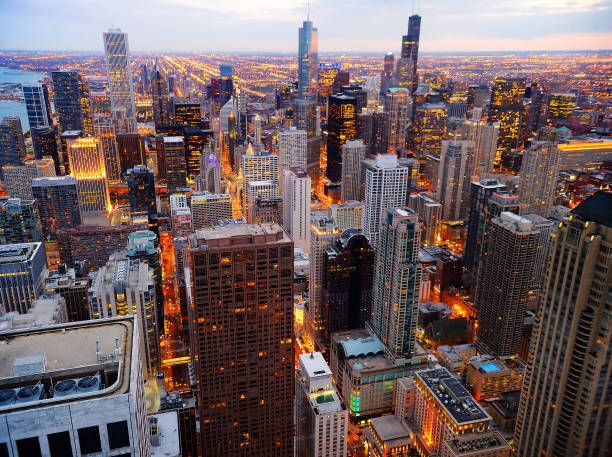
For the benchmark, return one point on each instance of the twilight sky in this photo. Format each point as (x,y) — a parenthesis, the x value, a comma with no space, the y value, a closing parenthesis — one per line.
(271,25)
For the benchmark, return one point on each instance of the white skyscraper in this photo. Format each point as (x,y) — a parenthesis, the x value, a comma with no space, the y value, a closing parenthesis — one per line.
(254,190)
(120,80)
(398,103)
(292,149)
(455,176)
(484,136)
(296,207)
(539,173)
(353,152)
(321,417)
(386,186)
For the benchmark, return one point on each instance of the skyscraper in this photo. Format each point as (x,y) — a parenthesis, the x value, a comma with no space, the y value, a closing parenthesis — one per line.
(10,144)
(141,192)
(292,149)
(386,184)
(105,131)
(430,214)
(386,78)
(410,49)
(539,174)
(428,129)
(341,127)
(87,166)
(58,203)
(72,102)
(513,246)
(484,136)
(398,105)
(188,114)
(308,61)
(120,84)
(397,282)
(506,108)
(207,208)
(246,390)
(296,207)
(455,176)
(38,107)
(566,392)
(353,152)
(19,221)
(161,102)
(174,158)
(44,143)
(131,150)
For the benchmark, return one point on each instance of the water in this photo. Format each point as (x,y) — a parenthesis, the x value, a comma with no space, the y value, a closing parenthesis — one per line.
(12,107)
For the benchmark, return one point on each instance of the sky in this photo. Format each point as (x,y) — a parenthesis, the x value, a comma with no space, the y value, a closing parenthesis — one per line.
(272,25)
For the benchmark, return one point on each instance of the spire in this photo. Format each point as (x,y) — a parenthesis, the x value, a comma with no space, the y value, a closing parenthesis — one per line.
(308,11)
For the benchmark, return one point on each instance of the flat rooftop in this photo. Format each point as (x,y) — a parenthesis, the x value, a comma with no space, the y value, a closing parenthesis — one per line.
(391,430)
(15,253)
(168,432)
(452,395)
(241,234)
(314,364)
(470,443)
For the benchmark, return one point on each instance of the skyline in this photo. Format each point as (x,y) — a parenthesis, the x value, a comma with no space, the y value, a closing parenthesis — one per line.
(186,26)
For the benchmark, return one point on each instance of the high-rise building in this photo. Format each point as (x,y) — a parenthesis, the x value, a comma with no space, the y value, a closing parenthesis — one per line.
(18,179)
(539,174)
(174,157)
(72,102)
(188,114)
(237,414)
(268,210)
(396,286)
(19,221)
(513,245)
(141,192)
(386,78)
(308,61)
(10,141)
(180,216)
(38,107)
(321,417)
(125,287)
(561,106)
(292,149)
(380,132)
(14,124)
(254,191)
(58,203)
(341,127)
(410,51)
(564,402)
(506,108)
(455,176)
(398,105)
(119,72)
(353,153)
(347,286)
(161,102)
(348,214)
(87,166)
(131,151)
(105,132)
(386,185)
(71,367)
(484,137)
(44,143)
(23,270)
(430,214)
(210,172)
(206,208)
(72,284)
(428,129)
(296,207)
(260,166)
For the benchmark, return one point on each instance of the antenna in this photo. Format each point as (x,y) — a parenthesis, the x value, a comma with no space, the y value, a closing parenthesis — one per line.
(308,11)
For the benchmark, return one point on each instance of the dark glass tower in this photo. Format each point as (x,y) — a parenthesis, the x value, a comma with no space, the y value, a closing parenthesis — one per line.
(141,191)
(410,46)
(72,102)
(506,108)
(44,141)
(161,102)
(341,127)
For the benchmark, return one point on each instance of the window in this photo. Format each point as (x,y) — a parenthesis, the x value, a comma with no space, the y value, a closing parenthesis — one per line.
(59,444)
(118,435)
(28,447)
(89,439)
(4,450)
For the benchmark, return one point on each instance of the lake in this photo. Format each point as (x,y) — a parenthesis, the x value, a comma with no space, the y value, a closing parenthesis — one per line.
(12,107)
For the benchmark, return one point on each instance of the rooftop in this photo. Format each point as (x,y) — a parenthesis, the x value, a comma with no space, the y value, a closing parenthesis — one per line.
(469,443)
(167,433)
(54,181)
(391,430)
(597,208)
(314,365)
(15,253)
(241,234)
(451,394)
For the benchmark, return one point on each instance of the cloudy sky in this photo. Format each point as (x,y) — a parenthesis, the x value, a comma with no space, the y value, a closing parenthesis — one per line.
(271,25)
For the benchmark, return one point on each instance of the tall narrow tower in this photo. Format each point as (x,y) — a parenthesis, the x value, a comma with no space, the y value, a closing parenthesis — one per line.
(308,61)
(120,80)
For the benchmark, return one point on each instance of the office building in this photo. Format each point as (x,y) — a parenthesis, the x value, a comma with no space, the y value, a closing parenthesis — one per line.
(44,142)
(125,287)
(428,129)
(321,417)
(386,77)
(206,208)
(105,132)
(353,153)
(484,136)
(449,422)
(539,174)
(513,247)
(296,207)
(257,190)
(563,411)
(58,203)
(72,285)
(455,176)
(561,106)
(236,418)
(196,141)
(174,157)
(180,215)
(161,102)
(292,149)
(38,107)
(348,214)
(506,108)
(386,185)
(410,53)
(118,68)
(341,127)
(23,270)
(209,179)
(18,179)
(13,123)
(72,102)
(347,287)
(141,192)
(490,377)
(187,114)
(19,221)
(396,286)
(398,105)
(92,244)
(308,61)
(430,213)
(9,145)
(131,151)
(87,166)
(77,389)
(268,210)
